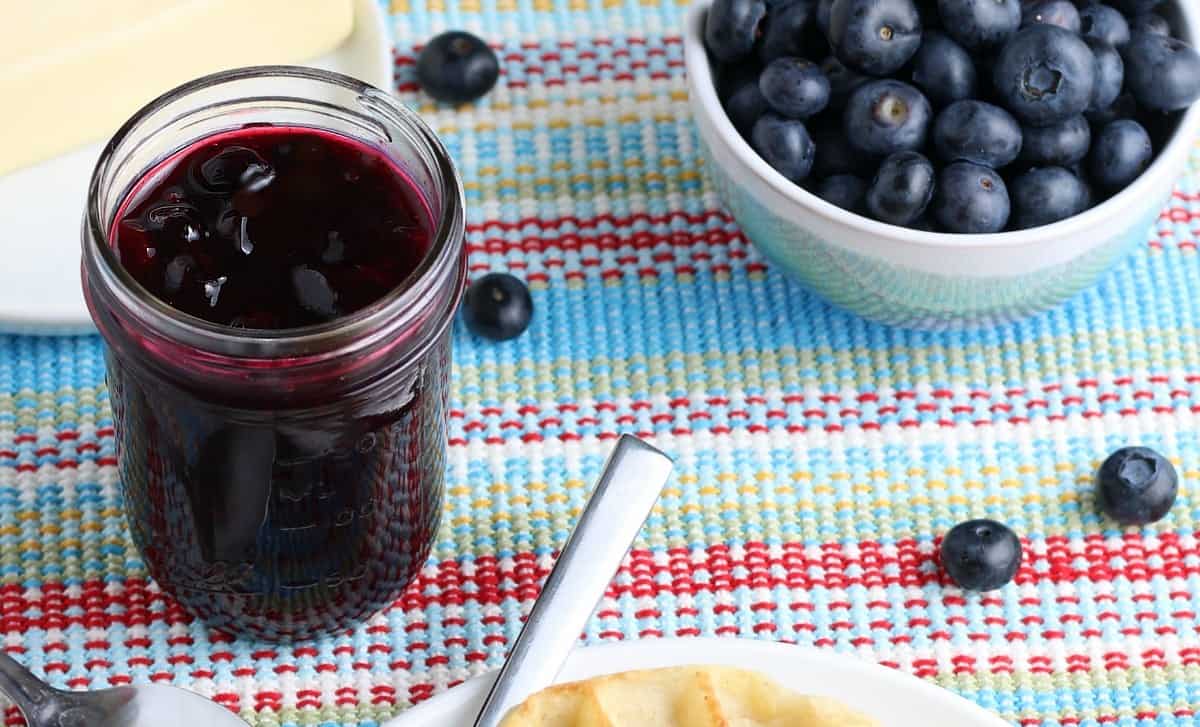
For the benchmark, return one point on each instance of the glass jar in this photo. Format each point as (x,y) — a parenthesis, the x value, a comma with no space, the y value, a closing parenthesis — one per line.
(279,483)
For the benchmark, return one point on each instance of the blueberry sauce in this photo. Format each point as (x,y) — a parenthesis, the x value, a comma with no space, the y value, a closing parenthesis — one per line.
(271,227)
(278,510)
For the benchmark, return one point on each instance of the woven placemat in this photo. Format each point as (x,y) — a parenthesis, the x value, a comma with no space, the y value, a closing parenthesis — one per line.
(818,456)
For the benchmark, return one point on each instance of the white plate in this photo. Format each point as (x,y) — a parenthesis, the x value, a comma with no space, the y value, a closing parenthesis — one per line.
(41,206)
(893,698)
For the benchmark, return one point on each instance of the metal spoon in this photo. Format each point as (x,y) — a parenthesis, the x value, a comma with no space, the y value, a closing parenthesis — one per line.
(630,484)
(145,706)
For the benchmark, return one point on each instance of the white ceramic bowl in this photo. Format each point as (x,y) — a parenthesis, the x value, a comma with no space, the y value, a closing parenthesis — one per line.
(921,279)
(893,698)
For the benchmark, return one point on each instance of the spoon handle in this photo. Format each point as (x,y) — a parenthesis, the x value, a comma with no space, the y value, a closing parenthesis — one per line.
(629,485)
(30,694)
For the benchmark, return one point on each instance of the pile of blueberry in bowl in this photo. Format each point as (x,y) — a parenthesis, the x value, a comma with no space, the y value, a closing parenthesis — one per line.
(938,163)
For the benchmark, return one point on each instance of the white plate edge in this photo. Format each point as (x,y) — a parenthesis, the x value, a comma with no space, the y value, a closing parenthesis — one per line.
(461,700)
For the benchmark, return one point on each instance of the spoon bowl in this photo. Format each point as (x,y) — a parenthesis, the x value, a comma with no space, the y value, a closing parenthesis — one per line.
(151,702)
(142,706)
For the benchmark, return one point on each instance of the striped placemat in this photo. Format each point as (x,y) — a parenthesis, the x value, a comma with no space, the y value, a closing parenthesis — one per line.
(818,456)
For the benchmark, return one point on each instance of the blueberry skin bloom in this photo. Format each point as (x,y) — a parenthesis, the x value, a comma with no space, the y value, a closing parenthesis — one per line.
(971,199)
(974,131)
(980,24)
(876,37)
(1136,486)
(1110,75)
(886,116)
(1120,153)
(943,69)
(901,189)
(732,27)
(1045,74)
(981,555)
(1045,195)
(1061,144)
(1104,24)
(785,145)
(1162,73)
(1052,12)
(794,87)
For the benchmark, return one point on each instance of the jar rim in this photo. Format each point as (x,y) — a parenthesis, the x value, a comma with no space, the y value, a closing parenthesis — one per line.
(402,306)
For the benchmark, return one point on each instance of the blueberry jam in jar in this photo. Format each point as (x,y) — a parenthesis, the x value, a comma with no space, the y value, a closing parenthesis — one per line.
(272,227)
(274,256)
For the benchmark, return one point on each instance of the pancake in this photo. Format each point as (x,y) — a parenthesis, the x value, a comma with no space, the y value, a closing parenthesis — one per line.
(691,696)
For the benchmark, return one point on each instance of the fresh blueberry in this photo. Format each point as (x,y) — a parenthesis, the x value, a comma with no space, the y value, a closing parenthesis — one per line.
(1061,144)
(824,11)
(974,131)
(745,104)
(1052,12)
(1044,195)
(728,77)
(842,81)
(980,24)
(1120,153)
(1162,73)
(457,67)
(732,27)
(834,154)
(1136,486)
(785,145)
(981,555)
(498,307)
(885,116)
(794,87)
(1045,74)
(783,29)
(1124,107)
(971,199)
(876,37)
(1103,23)
(844,190)
(1152,23)
(943,69)
(901,189)
(1136,7)
(1110,75)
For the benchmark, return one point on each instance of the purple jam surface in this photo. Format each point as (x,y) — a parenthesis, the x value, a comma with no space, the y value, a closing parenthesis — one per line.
(272,227)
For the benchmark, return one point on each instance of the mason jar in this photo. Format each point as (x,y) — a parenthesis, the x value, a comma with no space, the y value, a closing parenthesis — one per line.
(279,483)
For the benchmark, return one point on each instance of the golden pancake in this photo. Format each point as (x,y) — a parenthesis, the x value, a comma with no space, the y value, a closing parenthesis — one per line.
(688,696)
